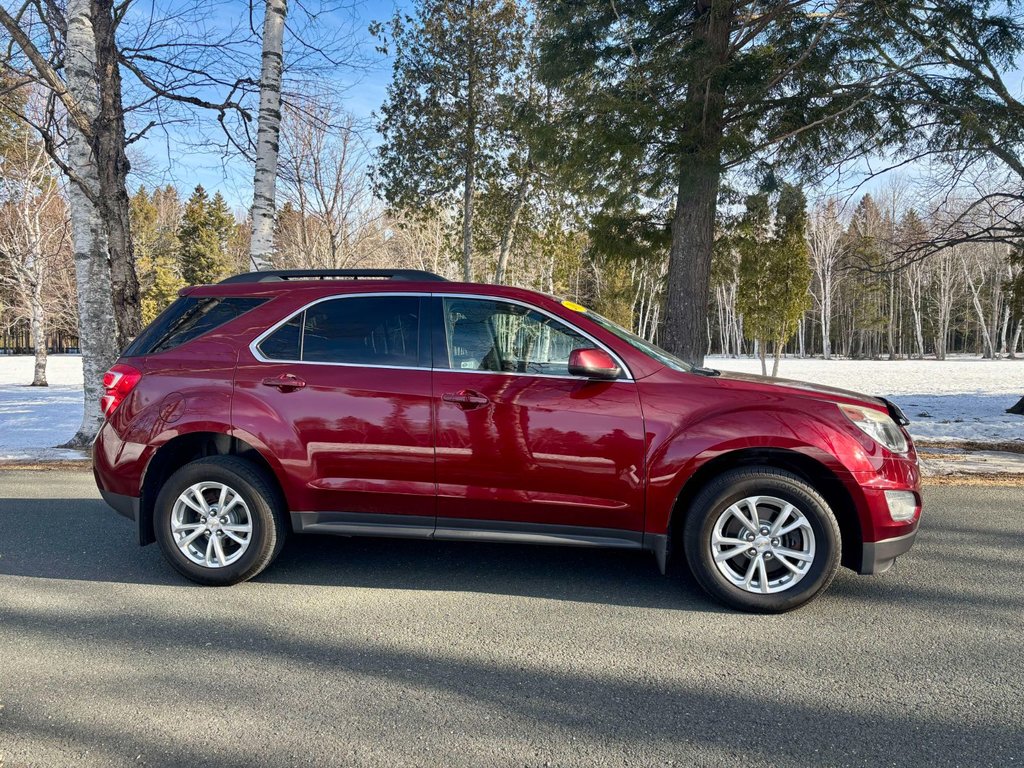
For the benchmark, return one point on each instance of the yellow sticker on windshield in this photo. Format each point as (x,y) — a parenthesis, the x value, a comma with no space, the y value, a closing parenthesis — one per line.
(574,306)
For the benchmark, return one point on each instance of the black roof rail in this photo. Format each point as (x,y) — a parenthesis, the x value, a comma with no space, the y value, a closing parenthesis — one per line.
(276,275)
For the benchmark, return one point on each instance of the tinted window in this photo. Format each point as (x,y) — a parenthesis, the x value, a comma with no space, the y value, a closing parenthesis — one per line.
(186,319)
(283,344)
(372,330)
(485,335)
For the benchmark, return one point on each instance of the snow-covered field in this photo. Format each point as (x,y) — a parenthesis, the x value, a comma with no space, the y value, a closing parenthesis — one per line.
(958,399)
(963,398)
(35,419)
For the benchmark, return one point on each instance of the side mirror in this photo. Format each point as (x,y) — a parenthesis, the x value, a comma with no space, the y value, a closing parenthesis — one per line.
(593,364)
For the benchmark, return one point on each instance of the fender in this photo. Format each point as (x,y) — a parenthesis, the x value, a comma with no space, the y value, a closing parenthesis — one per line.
(712,426)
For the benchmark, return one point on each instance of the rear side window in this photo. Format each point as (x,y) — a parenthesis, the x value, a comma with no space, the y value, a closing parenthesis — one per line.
(370,330)
(188,318)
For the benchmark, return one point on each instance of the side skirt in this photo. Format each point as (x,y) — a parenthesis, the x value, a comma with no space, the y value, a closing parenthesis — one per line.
(458,529)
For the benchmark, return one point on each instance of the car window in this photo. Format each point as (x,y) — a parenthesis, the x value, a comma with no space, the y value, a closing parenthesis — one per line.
(488,335)
(283,344)
(188,318)
(368,330)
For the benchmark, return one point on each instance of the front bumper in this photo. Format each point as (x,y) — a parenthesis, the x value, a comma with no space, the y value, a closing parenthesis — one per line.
(878,556)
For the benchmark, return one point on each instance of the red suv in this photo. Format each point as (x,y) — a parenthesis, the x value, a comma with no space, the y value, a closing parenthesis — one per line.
(395,403)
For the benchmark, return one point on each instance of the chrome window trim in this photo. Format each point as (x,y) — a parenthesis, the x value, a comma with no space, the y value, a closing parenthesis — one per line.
(255,351)
(254,344)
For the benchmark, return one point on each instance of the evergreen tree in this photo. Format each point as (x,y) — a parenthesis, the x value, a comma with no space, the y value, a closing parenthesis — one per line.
(774,271)
(156,253)
(203,236)
(441,120)
(673,95)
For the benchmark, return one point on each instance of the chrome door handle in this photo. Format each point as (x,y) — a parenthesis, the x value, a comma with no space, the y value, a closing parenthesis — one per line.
(286,382)
(466,399)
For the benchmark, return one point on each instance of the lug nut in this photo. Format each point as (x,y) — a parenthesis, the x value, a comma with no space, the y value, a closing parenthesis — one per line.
(223,520)
(751,552)
(775,542)
(764,531)
(767,555)
(750,537)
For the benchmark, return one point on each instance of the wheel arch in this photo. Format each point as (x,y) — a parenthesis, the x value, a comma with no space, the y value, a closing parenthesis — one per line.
(808,468)
(183,449)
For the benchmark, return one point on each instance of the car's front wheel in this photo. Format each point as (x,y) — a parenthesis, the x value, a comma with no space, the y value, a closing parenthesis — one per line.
(761,539)
(219,520)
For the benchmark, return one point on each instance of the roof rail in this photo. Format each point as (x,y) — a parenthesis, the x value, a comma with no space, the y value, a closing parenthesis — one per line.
(276,275)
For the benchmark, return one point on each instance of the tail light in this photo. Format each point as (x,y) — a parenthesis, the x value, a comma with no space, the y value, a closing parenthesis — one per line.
(118,382)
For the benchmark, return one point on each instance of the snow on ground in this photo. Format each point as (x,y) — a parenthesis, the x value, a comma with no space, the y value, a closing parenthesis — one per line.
(35,419)
(962,398)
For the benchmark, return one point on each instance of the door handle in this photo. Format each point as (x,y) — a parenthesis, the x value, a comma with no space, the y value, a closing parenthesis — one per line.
(466,399)
(286,382)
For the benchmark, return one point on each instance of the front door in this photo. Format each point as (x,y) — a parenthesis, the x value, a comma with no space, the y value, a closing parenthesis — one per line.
(344,389)
(521,444)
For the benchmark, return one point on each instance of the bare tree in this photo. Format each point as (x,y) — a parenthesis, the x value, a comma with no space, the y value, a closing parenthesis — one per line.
(825,230)
(324,179)
(33,234)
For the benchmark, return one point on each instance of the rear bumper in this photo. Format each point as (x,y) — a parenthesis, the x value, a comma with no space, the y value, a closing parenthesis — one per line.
(878,556)
(123,505)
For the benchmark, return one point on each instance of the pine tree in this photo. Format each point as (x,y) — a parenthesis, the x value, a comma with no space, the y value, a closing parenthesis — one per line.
(157,264)
(441,120)
(774,270)
(671,96)
(203,236)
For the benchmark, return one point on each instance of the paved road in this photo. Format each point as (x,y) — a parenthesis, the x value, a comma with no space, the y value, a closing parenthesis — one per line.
(391,653)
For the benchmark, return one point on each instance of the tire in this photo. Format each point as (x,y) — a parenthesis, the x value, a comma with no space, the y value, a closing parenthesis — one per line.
(799,564)
(198,486)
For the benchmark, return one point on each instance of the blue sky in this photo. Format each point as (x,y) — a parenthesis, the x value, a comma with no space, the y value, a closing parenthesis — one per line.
(169,156)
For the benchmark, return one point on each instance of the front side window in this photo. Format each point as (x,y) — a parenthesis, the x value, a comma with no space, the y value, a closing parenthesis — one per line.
(489,335)
(366,330)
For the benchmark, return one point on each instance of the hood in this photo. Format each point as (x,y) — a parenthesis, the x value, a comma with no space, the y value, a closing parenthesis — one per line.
(800,388)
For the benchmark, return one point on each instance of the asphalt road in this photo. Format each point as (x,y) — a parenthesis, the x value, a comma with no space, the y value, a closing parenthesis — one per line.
(395,653)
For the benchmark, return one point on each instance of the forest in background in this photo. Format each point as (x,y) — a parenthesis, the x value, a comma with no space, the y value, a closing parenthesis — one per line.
(693,170)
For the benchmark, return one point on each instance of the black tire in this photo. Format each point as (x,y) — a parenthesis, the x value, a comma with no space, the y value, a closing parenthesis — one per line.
(733,486)
(267,514)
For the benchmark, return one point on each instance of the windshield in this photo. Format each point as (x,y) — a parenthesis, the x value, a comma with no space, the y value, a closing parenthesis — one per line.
(636,342)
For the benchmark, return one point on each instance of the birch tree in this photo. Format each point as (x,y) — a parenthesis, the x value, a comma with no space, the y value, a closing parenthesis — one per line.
(97,326)
(33,234)
(268,133)
(825,244)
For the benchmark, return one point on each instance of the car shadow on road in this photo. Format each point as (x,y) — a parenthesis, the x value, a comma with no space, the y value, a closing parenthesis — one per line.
(80,539)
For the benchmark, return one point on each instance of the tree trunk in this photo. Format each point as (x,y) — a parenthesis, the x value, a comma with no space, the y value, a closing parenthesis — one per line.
(268,132)
(469,175)
(96,325)
(699,169)
(1016,339)
(38,323)
(778,357)
(112,166)
(507,237)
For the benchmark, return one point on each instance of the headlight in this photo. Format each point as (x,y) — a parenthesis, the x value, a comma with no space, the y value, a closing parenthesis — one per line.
(876,425)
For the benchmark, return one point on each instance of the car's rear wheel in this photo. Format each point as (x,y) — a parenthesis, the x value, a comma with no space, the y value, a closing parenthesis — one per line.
(219,520)
(761,539)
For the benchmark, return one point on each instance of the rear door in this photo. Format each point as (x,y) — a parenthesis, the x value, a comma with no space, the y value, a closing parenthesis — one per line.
(341,391)
(523,446)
